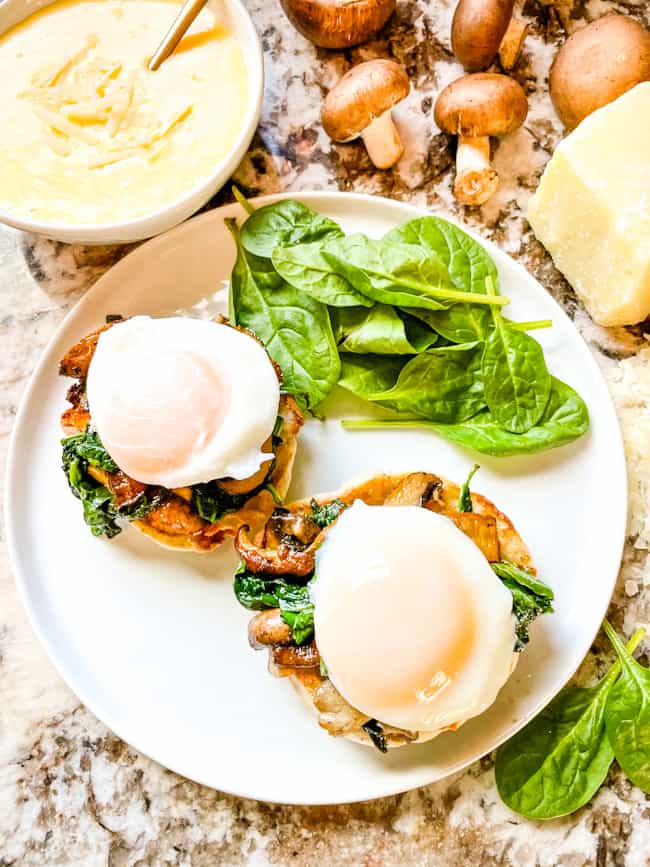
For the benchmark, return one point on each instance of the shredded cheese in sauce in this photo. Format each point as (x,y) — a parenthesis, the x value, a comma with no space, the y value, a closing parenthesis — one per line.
(92,135)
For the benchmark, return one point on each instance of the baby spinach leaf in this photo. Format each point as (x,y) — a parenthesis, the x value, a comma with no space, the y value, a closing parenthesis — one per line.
(399,274)
(380,330)
(530,597)
(305,267)
(366,374)
(294,328)
(442,385)
(516,379)
(465,497)
(557,763)
(375,732)
(468,263)
(285,224)
(627,715)
(258,593)
(326,514)
(565,419)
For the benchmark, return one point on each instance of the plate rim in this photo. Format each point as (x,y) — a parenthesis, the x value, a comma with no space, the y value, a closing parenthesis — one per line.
(12,475)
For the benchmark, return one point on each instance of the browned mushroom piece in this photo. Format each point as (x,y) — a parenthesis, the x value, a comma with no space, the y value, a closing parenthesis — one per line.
(474,108)
(268,628)
(338,23)
(360,105)
(282,560)
(597,65)
(481,29)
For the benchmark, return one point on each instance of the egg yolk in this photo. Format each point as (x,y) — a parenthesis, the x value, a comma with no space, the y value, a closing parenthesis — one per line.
(174,404)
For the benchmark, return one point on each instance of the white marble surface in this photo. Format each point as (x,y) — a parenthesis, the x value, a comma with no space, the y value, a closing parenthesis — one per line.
(71,793)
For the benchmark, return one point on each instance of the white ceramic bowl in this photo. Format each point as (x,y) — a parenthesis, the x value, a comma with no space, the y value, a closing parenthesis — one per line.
(13,11)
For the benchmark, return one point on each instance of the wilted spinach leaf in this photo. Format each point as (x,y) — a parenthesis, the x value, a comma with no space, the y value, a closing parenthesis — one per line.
(258,593)
(465,496)
(285,224)
(98,509)
(294,328)
(627,715)
(375,732)
(87,445)
(530,597)
(324,515)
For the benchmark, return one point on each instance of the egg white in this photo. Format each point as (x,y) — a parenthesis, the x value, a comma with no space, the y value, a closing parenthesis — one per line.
(179,401)
(413,625)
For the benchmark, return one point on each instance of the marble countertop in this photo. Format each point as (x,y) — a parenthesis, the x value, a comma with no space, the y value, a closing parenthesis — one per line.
(72,793)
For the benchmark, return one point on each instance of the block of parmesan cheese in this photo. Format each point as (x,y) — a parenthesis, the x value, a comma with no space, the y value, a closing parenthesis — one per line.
(592,209)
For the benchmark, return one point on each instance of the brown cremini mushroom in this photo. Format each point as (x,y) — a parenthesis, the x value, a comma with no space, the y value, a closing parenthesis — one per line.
(360,105)
(474,108)
(597,65)
(338,23)
(481,29)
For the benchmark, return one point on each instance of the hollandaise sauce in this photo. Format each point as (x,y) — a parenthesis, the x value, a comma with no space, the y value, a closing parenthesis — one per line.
(90,136)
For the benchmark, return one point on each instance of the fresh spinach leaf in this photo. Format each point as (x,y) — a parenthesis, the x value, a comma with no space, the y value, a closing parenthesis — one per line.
(627,715)
(468,264)
(258,593)
(294,328)
(465,496)
(530,598)
(380,330)
(565,419)
(442,385)
(305,267)
(285,224)
(367,374)
(399,274)
(557,763)
(515,377)
(375,732)
(326,514)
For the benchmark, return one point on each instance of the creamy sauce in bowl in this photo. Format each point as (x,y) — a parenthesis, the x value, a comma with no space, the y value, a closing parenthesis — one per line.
(90,136)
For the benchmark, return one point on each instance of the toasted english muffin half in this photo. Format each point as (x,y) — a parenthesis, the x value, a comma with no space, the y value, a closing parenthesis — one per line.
(491,530)
(173,517)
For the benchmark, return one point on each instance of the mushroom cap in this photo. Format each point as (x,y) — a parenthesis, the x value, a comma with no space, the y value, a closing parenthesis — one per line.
(338,23)
(477,28)
(365,92)
(597,65)
(481,104)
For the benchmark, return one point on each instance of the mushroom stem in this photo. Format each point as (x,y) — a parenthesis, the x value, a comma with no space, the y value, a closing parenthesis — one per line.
(476,180)
(512,42)
(382,141)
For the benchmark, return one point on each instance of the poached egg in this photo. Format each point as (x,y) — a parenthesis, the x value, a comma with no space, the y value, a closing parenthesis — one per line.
(179,401)
(413,625)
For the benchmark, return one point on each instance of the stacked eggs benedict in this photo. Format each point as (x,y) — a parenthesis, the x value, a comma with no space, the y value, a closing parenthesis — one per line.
(178,426)
(375,601)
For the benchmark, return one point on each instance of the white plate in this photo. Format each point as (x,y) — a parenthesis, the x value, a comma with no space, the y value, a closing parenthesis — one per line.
(154,642)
